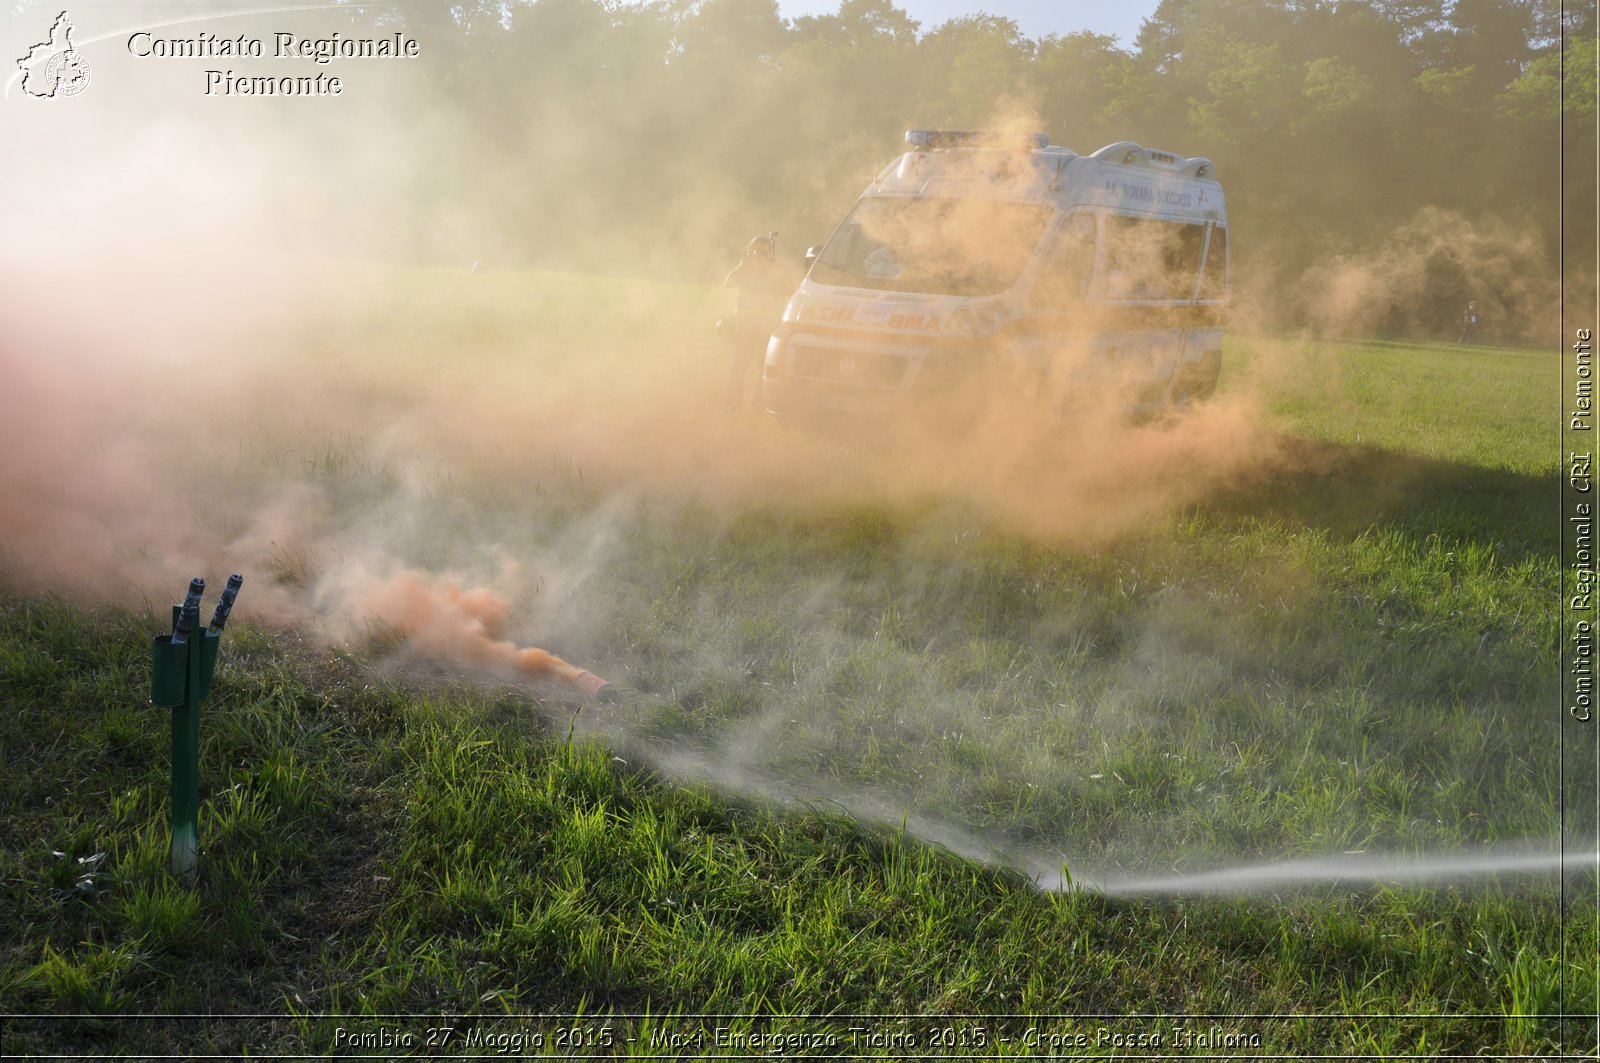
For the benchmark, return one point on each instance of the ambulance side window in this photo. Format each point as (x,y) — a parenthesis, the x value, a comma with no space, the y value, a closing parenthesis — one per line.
(1064,274)
(1151,260)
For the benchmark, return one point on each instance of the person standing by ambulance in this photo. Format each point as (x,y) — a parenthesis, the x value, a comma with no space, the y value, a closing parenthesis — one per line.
(1469,322)
(763,290)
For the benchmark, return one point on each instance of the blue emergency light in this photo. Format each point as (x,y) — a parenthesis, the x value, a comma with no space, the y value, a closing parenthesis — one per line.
(934,139)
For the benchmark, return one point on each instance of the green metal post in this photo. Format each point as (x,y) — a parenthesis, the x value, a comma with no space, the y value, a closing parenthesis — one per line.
(181,666)
(186,762)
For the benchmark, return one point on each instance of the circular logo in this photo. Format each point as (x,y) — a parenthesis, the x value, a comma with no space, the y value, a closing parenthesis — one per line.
(66,73)
(847,366)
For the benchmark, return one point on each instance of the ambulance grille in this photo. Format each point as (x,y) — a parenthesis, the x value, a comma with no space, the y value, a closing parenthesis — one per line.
(869,369)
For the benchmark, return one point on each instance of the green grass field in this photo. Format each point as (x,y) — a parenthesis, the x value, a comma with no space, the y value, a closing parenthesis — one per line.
(869,716)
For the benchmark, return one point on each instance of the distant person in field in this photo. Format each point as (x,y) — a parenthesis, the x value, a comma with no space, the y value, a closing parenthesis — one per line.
(763,290)
(1469,322)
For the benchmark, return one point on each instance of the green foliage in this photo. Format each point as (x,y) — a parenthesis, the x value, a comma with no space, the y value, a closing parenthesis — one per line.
(1330,124)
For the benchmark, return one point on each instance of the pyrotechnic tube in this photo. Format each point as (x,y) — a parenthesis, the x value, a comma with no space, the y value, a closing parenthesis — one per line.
(189,613)
(219,619)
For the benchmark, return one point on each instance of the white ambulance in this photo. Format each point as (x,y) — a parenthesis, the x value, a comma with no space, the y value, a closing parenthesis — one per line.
(974,259)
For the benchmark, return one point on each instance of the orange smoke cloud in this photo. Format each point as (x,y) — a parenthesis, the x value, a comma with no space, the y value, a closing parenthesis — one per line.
(447,622)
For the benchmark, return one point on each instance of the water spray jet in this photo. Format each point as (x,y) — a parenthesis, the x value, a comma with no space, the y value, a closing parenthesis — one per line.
(1348,870)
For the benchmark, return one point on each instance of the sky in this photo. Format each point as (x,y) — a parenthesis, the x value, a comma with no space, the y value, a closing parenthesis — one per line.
(1037,18)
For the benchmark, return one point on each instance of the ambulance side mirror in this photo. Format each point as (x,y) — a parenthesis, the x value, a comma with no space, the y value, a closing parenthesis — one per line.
(811,256)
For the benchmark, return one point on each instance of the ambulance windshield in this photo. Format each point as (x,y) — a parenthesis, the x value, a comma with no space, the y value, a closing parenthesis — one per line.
(969,246)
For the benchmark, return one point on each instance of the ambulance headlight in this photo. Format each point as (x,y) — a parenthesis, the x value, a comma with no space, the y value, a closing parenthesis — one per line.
(977,318)
(791,312)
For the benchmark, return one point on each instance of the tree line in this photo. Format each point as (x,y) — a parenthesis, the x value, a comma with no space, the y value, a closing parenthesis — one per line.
(1385,160)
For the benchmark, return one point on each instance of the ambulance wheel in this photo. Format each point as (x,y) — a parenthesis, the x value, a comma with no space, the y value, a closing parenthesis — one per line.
(1197,381)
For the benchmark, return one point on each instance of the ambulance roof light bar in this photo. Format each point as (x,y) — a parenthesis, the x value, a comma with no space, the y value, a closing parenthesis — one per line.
(935,139)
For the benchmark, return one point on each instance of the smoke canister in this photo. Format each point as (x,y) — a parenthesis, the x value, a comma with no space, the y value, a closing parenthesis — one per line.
(189,613)
(219,619)
(594,686)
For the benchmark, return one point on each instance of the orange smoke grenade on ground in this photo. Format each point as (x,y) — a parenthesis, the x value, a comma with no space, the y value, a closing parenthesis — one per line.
(447,622)
(539,663)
